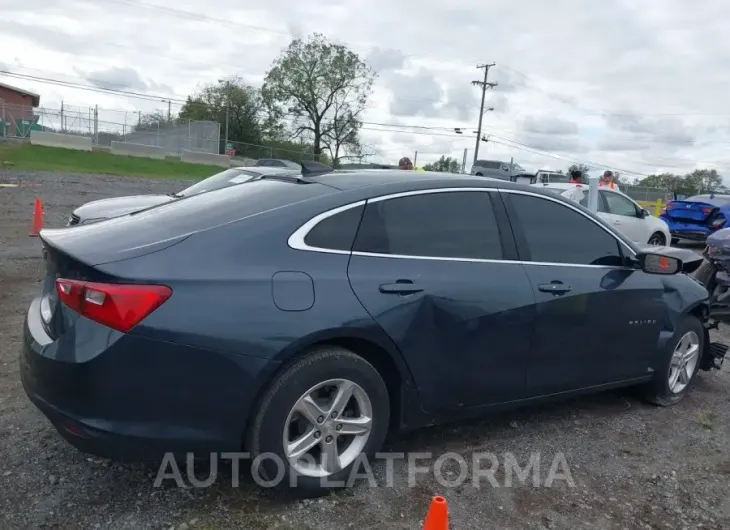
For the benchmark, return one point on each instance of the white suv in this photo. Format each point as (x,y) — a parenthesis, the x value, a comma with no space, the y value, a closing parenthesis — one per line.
(618,210)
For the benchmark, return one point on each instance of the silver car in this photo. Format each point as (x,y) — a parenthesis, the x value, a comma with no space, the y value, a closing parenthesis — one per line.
(103,209)
(496,169)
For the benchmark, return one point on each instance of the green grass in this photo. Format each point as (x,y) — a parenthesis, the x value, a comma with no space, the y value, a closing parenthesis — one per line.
(38,158)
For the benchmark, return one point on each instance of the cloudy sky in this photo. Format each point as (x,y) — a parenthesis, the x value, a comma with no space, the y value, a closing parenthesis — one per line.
(640,86)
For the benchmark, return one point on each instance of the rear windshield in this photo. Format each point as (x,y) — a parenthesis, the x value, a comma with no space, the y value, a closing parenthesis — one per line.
(220,180)
(715,200)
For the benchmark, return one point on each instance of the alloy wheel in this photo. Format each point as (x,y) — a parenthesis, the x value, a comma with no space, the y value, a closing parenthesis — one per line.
(684,361)
(327,428)
(656,239)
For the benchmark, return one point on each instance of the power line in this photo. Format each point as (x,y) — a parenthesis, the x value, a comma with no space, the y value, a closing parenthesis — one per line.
(397,128)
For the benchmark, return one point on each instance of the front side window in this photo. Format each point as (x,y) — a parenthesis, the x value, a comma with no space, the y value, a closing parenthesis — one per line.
(440,225)
(555,233)
(619,205)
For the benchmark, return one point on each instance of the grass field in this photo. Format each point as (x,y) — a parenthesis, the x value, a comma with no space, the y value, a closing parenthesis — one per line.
(38,158)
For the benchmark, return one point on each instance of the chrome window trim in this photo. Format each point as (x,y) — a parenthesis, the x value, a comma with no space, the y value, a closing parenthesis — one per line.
(296,240)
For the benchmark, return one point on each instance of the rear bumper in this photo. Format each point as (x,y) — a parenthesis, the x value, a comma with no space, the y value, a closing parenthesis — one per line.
(691,231)
(136,399)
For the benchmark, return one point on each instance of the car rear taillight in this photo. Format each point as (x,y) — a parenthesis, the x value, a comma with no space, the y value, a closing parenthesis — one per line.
(118,306)
(717,223)
(663,212)
(706,210)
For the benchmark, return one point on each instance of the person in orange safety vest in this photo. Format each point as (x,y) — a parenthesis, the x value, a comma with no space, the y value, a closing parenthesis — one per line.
(607,180)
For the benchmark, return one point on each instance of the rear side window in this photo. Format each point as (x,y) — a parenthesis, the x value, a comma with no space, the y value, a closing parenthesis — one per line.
(488,164)
(439,225)
(555,233)
(336,232)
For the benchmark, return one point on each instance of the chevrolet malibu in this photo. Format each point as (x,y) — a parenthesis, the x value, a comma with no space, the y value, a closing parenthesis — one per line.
(307,316)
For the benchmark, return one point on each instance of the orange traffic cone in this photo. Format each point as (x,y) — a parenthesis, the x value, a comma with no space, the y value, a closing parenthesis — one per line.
(37,218)
(437,517)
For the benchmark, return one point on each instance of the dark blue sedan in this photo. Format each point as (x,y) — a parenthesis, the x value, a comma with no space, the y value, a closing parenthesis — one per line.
(305,316)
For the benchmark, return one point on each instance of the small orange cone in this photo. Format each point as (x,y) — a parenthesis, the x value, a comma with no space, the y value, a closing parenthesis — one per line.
(37,218)
(437,517)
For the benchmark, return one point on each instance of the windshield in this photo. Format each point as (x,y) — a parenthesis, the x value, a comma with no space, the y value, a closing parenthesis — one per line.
(715,200)
(224,179)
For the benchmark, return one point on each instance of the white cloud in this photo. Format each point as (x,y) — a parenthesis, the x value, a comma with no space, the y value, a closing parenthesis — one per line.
(639,86)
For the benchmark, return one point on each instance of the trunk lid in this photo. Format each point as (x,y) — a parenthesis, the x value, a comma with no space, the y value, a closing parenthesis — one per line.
(690,211)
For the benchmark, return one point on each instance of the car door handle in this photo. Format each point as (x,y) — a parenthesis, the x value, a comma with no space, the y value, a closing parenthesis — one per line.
(554,287)
(616,222)
(400,287)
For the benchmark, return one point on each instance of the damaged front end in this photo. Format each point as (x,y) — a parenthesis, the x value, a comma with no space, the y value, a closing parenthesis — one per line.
(713,313)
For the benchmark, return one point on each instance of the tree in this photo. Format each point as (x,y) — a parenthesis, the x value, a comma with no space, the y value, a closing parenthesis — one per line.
(704,180)
(580,167)
(153,120)
(445,164)
(245,109)
(699,181)
(324,88)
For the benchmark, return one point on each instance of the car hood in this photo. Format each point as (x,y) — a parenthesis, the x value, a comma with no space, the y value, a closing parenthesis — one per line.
(117,206)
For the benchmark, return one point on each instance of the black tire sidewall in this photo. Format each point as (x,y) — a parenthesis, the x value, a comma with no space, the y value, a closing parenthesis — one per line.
(660,386)
(658,235)
(266,437)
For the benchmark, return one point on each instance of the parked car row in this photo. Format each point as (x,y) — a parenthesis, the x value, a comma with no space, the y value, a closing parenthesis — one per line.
(305,314)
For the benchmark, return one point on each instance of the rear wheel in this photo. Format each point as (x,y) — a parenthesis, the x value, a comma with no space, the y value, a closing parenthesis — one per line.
(675,376)
(317,420)
(479,175)
(657,238)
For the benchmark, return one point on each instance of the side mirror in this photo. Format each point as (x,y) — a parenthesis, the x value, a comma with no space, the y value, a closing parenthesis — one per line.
(658,264)
(644,213)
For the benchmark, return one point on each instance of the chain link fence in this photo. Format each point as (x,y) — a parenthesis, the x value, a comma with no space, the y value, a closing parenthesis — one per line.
(105,126)
(255,152)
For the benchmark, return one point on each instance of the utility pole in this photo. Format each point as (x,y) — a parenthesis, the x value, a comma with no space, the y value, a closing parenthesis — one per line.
(485,85)
(169,111)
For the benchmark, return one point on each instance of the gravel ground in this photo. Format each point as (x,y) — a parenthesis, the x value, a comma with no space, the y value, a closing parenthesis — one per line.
(632,465)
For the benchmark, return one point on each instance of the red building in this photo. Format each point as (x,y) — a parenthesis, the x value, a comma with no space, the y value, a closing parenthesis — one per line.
(16,110)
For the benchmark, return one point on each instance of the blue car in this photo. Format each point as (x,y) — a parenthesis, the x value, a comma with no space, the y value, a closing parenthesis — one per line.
(697,217)
(299,318)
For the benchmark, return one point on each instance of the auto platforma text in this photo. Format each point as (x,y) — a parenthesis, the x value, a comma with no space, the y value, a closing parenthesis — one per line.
(481,469)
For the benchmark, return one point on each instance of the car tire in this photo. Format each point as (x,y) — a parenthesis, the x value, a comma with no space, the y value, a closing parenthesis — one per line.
(658,239)
(276,410)
(675,240)
(479,175)
(662,390)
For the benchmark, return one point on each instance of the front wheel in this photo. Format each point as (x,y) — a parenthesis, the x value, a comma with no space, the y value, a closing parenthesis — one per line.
(317,420)
(657,238)
(675,375)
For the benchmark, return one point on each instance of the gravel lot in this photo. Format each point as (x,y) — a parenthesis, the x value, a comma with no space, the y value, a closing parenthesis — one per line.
(633,465)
